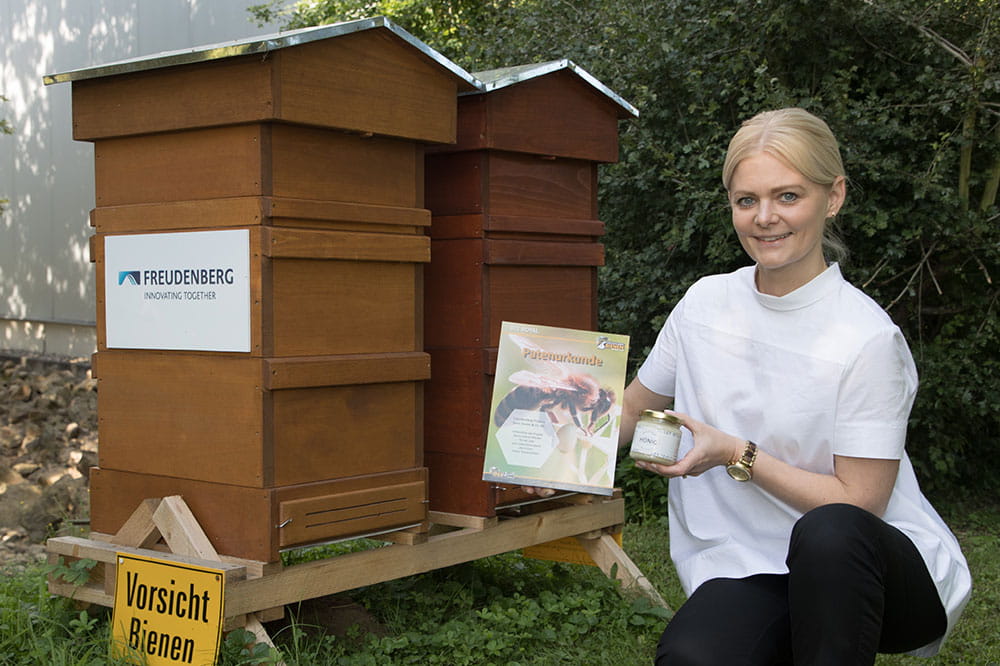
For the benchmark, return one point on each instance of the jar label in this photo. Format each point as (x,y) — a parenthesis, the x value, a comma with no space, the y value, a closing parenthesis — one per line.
(656,441)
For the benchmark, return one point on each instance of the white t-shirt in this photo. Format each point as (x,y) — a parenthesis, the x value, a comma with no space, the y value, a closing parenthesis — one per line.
(819,372)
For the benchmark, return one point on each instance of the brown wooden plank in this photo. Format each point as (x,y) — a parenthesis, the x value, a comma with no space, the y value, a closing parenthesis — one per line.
(547,295)
(197,164)
(347,211)
(457,402)
(515,227)
(542,253)
(182,415)
(471,126)
(311,163)
(370,80)
(344,431)
(219,92)
(360,511)
(526,185)
(460,289)
(490,367)
(364,227)
(238,520)
(314,244)
(455,484)
(594,182)
(303,372)
(586,229)
(350,484)
(453,293)
(261,306)
(97,256)
(248,160)
(458,226)
(557,114)
(419,306)
(180,215)
(343,307)
(455,184)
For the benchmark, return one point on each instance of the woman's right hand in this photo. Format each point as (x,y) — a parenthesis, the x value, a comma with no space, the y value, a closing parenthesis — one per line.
(541,492)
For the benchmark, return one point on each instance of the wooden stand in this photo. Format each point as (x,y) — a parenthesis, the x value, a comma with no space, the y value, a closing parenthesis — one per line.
(257,592)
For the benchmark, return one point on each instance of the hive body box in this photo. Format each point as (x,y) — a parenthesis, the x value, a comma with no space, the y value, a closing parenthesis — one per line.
(515,236)
(316,148)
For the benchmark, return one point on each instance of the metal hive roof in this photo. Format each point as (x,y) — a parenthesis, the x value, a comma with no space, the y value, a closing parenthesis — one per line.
(495,79)
(263,44)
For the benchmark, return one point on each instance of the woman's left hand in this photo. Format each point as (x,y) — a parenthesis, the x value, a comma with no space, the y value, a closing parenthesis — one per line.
(712,447)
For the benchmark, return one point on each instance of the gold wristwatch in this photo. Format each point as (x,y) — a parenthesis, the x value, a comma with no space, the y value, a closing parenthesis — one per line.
(741,468)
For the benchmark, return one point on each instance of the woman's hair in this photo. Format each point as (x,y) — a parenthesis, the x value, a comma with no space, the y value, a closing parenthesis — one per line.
(802,141)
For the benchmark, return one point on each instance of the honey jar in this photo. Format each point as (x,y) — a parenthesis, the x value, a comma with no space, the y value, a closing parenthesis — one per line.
(657,437)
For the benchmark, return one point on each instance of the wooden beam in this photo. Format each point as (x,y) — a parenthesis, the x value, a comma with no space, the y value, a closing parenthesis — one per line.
(345,572)
(139,531)
(181,531)
(610,557)
(461,520)
(100,551)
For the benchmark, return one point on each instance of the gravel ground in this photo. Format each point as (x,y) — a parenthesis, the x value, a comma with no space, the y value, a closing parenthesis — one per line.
(48,442)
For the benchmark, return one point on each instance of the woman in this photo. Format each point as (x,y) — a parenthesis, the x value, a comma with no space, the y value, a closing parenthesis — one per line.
(796,523)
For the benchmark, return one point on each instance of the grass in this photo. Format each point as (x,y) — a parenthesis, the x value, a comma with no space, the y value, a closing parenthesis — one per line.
(499,610)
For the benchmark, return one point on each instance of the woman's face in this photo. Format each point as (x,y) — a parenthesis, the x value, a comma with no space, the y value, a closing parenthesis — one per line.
(779,216)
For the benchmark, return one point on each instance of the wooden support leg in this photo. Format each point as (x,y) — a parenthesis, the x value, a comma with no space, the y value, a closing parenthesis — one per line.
(254,626)
(172,519)
(606,553)
(139,531)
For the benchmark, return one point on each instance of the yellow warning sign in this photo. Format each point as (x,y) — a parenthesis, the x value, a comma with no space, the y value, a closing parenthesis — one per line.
(166,612)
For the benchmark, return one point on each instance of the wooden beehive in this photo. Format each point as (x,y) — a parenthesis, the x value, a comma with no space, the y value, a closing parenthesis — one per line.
(515,236)
(313,142)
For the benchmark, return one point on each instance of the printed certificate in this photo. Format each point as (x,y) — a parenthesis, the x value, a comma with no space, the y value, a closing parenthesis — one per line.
(556,408)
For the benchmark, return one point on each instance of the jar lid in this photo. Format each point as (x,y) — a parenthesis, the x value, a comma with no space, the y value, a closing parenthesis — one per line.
(660,416)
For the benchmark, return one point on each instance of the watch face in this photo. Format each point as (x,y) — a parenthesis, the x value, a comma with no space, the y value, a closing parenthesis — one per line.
(739,472)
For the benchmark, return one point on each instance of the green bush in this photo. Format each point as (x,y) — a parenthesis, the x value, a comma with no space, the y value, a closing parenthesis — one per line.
(911,88)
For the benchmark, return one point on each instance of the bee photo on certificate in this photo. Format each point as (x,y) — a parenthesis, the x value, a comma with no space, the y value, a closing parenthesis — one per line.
(556,408)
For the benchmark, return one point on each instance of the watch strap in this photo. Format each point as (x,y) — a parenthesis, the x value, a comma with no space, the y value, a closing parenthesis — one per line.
(744,463)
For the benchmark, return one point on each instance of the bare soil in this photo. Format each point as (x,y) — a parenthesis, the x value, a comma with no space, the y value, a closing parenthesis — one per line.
(48,442)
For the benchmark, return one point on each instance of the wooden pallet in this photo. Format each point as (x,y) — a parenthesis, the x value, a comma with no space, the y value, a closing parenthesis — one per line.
(257,592)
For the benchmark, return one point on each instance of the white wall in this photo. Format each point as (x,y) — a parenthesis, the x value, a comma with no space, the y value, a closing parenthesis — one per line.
(46,279)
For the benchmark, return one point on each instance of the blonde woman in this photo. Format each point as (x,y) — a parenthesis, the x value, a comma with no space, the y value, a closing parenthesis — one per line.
(797,526)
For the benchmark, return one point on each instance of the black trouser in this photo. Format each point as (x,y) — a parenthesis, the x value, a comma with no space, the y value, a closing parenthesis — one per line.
(856,586)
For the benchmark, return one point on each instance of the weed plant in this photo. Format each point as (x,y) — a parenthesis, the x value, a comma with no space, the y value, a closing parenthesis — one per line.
(38,628)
